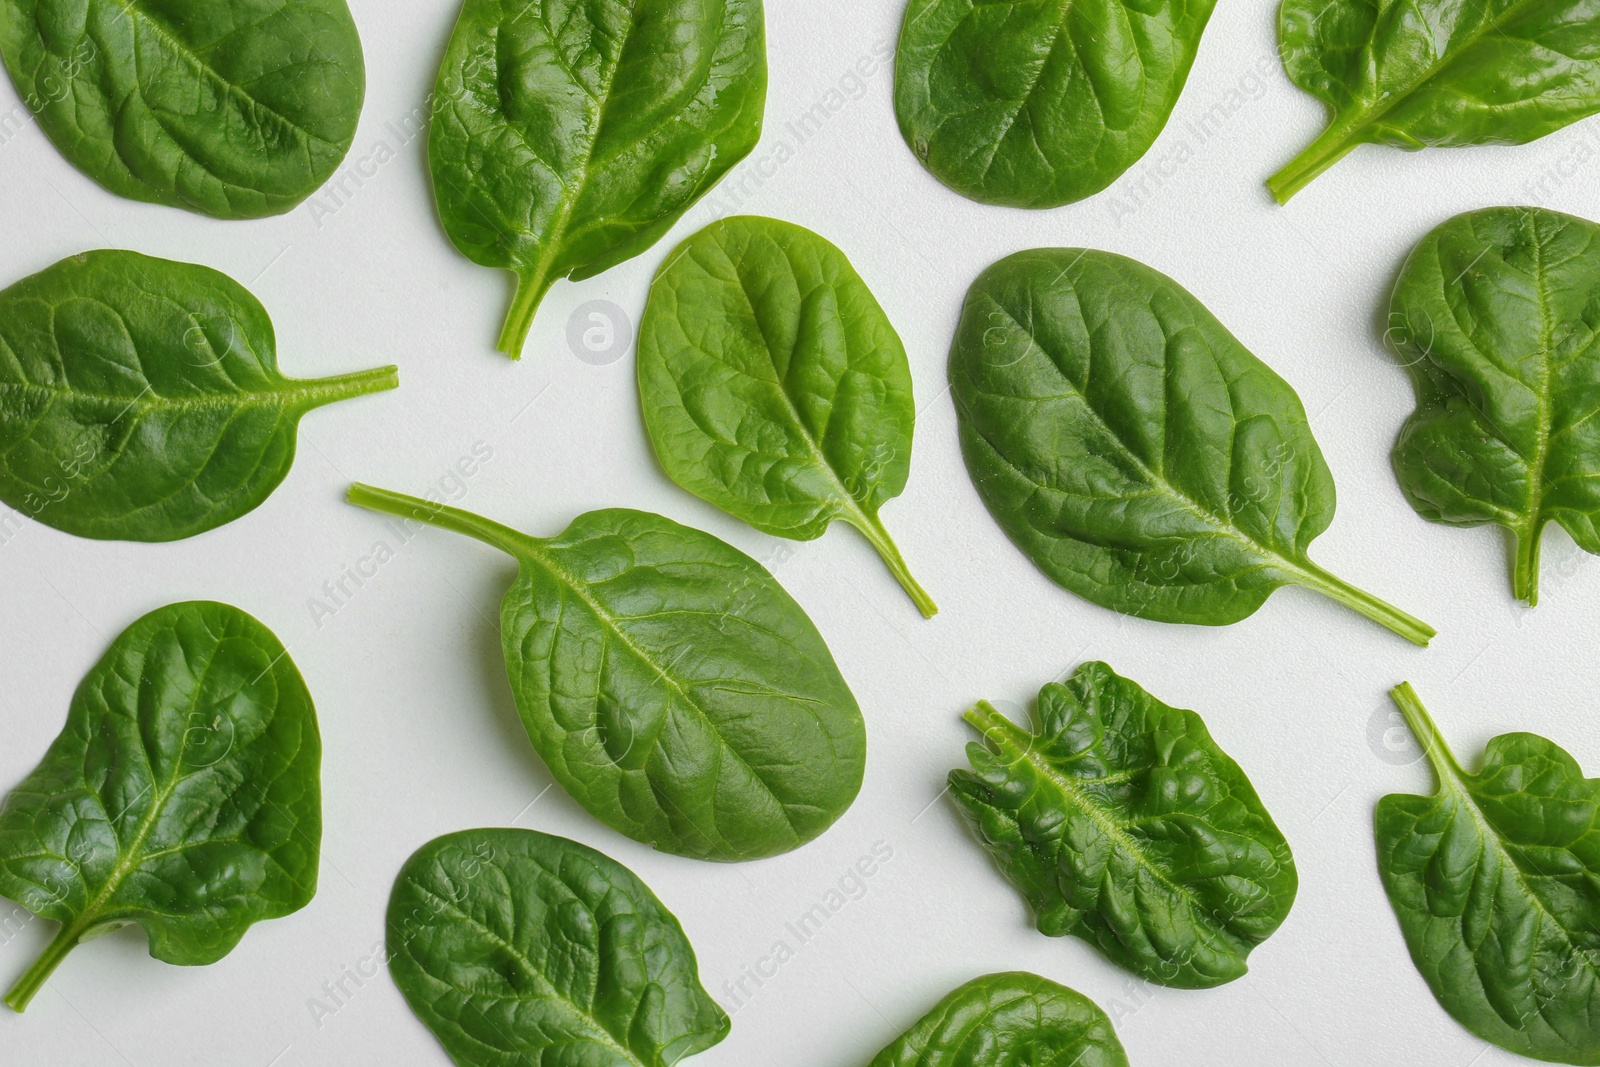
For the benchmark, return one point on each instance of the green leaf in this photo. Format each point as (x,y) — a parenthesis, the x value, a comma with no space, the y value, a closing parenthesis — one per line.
(568,138)
(1009,1020)
(774,386)
(1122,823)
(233,108)
(1038,103)
(140,399)
(184,794)
(1495,317)
(1442,74)
(669,683)
(1136,451)
(516,947)
(1496,882)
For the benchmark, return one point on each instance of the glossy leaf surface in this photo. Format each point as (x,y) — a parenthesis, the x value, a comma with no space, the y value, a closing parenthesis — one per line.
(669,683)
(1038,103)
(516,947)
(1495,879)
(774,386)
(569,137)
(140,399)
(184,794)
(1133,449)
(1122,823)
(1438,74)
(231,108)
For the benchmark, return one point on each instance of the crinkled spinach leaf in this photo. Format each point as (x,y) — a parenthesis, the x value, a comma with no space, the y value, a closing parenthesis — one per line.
(1136,451)
(1496,882)
(231,108)
(1038,103)
(669,682)
(1441,74)
(184,794)
(1122,823)
(516,947)
(569,137)
(774,386)
(140,399)
(1495,316)
(1009,1020)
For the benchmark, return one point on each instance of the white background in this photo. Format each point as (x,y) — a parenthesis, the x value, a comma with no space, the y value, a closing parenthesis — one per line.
(420,733)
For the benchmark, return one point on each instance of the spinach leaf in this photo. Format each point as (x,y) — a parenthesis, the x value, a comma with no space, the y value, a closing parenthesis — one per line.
(514,946)
(140,399)
(1136,451)
(1494,316)
(668,682)
(1009,1020)
(1122,823)
(1496,882)
(1454,72)
(774,387)
(184,794)
(570,137)
(1038,104)
(231,108)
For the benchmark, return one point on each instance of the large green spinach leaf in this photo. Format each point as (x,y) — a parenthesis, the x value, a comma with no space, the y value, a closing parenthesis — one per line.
(569,137)
(140,399)
(1496,882)
(774,386)
(1136,451)
(231,108)
(669,682)
(184,794)
(1122,823)
(1038,103)
(1009,1020)
(1441,74)
(1495,316)
(516,947)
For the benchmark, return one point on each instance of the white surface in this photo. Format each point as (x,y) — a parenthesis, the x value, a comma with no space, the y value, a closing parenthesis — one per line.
(420,733)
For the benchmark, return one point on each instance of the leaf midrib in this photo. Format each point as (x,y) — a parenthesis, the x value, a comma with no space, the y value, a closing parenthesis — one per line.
(255,398)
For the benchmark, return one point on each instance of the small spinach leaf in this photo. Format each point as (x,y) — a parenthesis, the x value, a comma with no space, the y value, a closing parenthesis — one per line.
(1136,451)
(1496,882)
(1455,72)
(514,946)
(140,399)
(1122,823)
(184,794)
(669,683)
(569,138)
(231,108)
(774,386)
(1038,104)
(1494,316)
(1009,1020)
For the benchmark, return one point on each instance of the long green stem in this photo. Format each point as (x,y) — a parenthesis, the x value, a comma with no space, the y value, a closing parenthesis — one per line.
(1427,734)
(879,537)
(1407,626)
(531,289)
(322,391)
(1334,144)
(441,515)
(1525,570)
(34,978)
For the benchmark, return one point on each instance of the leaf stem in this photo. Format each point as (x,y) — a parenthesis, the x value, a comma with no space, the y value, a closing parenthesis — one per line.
(1334,144)
(996,729)
(1427,734)
(322,391)
(872,527)
(531,289)
(1407,626)
(512,542)
(34,978)
(1525,571)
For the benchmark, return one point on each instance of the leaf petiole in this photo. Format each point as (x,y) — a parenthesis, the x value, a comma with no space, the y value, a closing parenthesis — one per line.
(1406,625)
(34,978)
(1525,571)
(531,290)
(1334,144)
(441,515)
(320,391)
(1427,734)
(872,528)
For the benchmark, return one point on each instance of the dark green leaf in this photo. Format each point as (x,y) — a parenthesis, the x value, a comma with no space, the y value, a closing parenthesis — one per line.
(1122,823)
(1136,451)
(140,399)
(1038,103)
(669,683)
(568,140)
(1441,74)
(774,386)
(231,108)
(1009,1020)
(1496,882)
(1495,316)
(184,794)
(515,947)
